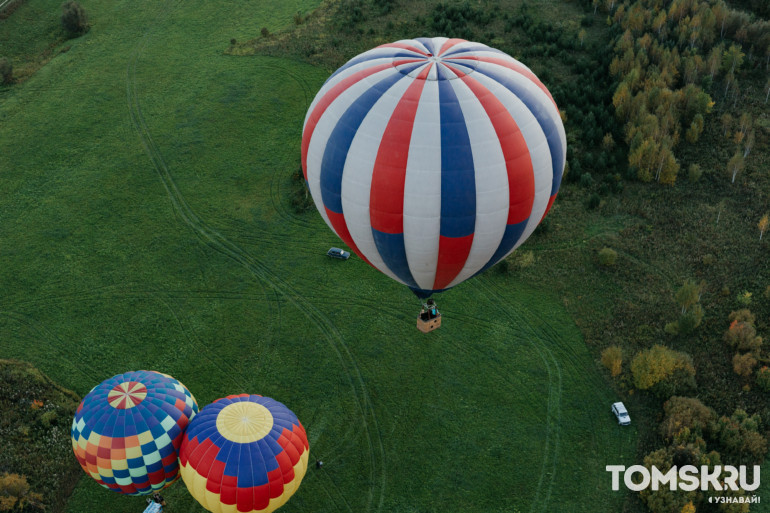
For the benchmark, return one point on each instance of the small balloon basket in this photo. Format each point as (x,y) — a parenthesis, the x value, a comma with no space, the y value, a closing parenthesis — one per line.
(429,318)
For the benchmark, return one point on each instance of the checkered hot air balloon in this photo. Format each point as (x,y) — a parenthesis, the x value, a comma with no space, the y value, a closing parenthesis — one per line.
(244,453)
(433,159)
(127,431)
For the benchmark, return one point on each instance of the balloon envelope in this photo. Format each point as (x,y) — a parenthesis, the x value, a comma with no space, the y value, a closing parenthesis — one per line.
(433,158)
(244,453)
(127,431)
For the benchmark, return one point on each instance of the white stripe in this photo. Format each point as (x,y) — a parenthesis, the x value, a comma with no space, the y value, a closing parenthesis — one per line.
(323,130)
(491,181)
(422,189)
(342,76)
(359,166)
(537,144)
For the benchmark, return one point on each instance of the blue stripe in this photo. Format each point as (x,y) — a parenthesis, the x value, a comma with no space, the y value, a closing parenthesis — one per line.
(510,238)
(397,52)
(428,44)
(424,293)
(392,250)
(547,124)
(458,182)
(341,138)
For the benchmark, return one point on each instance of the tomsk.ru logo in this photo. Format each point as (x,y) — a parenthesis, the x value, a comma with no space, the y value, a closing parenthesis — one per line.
(687,478)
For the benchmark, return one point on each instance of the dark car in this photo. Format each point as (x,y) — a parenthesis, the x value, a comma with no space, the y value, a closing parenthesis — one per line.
(338,253)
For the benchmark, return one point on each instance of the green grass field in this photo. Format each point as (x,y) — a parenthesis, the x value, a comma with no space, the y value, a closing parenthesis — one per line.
(145,223)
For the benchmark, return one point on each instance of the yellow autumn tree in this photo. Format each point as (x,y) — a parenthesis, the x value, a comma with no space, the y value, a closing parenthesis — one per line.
(763,223)
(612,358)
(668,370)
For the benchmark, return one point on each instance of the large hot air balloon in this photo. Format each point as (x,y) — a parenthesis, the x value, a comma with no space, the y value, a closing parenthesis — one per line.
(433,159)
(244,453)
(127,431)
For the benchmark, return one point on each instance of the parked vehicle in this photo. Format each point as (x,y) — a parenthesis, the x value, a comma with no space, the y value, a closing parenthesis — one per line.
(338,253)
(620,412)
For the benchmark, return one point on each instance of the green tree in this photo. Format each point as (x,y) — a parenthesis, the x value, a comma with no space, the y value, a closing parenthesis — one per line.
(727,122)
(687,295)
(735,165)
(748,144)
(696,128)
(74,18)
(732,58)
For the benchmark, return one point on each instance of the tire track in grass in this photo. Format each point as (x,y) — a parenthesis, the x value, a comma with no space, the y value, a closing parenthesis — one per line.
(193,341)
(46,334)
(553,412)
(263,274)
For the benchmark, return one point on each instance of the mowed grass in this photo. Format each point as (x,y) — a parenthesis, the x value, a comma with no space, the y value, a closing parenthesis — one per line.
(145,223)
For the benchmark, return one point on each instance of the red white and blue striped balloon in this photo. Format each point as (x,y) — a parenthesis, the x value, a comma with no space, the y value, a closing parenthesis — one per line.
(433,158)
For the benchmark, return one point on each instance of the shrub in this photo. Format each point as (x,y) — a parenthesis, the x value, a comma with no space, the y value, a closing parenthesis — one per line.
(265,33)
(6,71)
(739,437)
(672,328)
(607,257)
(694,173)
(525,259)
(708,259)
(744,298)
(73,18)
(15,494)
(743,315)
(612,358)
(763,378)
(743,336)
(48,418)
(743,364)
(685,412)
(593,202)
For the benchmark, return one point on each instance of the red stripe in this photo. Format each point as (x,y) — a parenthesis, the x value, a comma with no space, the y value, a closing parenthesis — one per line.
(518,163)
(521,70)
(449,44)
(452,254)
(386,201)
(341,229)
(405,46)
(327,99)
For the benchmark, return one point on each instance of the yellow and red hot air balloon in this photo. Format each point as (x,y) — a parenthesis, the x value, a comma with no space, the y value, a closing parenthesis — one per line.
(244,453)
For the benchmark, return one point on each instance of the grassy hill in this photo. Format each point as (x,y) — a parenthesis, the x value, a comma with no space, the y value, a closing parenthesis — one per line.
(146,223)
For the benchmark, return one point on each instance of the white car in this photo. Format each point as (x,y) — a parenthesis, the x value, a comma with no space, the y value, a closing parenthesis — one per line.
(619,410)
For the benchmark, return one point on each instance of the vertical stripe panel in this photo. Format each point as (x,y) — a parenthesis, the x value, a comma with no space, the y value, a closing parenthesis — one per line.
(358,171)
(422,189)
